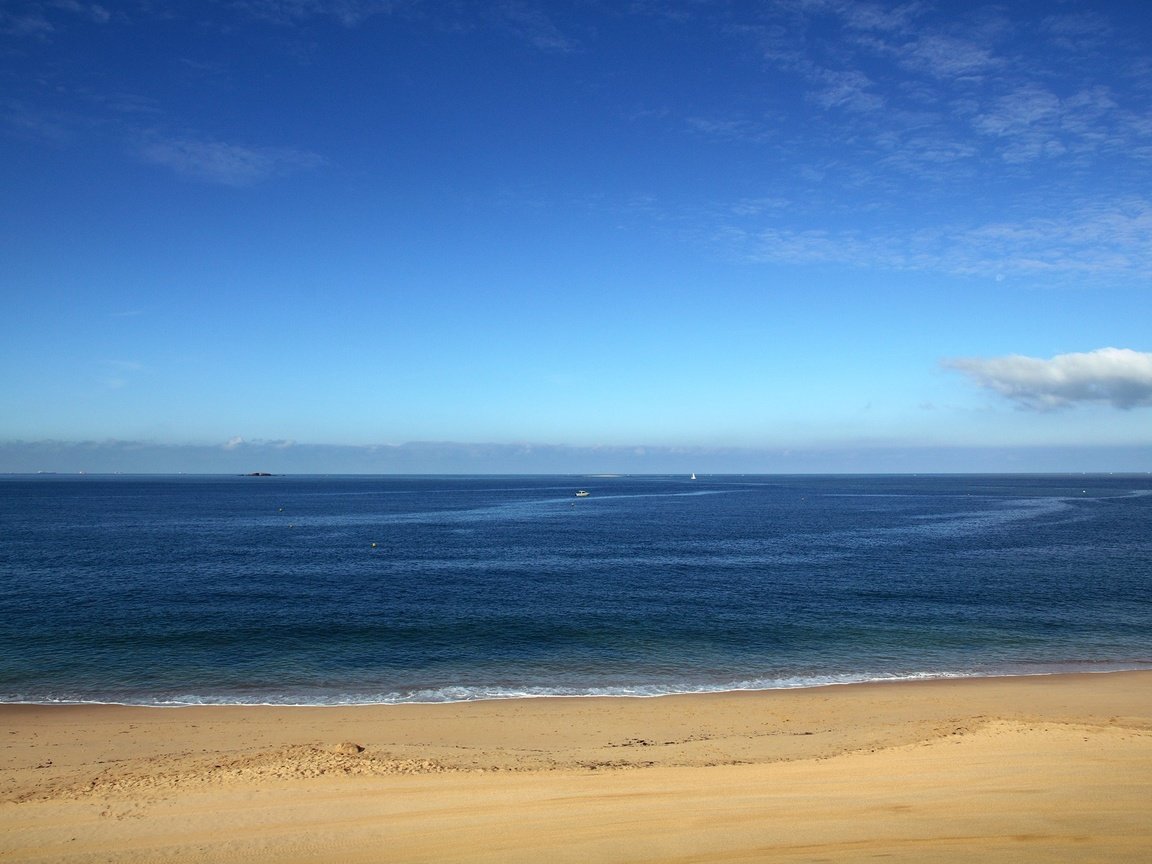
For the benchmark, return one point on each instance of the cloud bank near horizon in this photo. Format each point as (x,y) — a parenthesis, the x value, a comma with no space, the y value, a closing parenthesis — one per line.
(240,456)
(1119,377)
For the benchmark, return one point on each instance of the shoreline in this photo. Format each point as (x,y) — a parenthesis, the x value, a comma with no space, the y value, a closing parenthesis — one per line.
(773,686)
(1021,768)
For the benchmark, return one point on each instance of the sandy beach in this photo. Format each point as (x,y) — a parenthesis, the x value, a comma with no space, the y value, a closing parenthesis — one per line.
(1052,768)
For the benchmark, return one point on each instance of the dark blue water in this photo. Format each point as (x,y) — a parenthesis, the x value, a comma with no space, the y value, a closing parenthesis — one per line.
(383,589)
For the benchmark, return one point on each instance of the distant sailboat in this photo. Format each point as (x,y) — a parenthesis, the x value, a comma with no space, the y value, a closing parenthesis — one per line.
(693,475)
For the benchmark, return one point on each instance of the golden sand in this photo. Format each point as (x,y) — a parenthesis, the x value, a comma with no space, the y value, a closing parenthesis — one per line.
(1044,769)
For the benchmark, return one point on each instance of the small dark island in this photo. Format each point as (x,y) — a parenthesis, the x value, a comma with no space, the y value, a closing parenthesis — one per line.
(259,474)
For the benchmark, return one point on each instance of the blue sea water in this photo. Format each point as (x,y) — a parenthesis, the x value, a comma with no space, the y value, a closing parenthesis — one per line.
(331,590)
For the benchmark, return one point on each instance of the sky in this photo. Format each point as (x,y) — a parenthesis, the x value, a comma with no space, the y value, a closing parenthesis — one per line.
(432,236)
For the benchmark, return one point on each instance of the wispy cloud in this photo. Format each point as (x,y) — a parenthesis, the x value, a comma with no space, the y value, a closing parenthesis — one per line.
(93,11)
(1107,239)
(947,57)
(347,12)
(1119,377)
(35,19)
(529,22)
(847,89)
(28,22)
(224,163)
(1083,31)
(916,109)
(731,129)
(916,106)
(137,123)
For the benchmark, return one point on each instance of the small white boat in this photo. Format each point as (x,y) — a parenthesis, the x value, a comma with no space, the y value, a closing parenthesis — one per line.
(583,493)
(693,477)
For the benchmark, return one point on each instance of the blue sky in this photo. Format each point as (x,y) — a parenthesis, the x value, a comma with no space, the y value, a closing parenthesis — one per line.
(314,235)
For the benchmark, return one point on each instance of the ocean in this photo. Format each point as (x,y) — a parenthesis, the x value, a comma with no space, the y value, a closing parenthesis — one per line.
(317,590)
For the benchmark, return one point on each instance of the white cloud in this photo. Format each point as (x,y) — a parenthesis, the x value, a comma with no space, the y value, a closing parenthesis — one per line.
(1120,377)
(227,164)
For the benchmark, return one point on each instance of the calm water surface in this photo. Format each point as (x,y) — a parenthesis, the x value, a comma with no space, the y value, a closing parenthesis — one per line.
(382,589)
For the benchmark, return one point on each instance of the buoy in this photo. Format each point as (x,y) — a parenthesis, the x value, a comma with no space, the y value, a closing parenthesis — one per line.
(373,545)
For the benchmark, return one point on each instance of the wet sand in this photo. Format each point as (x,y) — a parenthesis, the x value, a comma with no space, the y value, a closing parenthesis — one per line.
(1050,768)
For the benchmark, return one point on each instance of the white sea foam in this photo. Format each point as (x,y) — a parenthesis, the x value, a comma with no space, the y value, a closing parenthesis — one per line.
(458,694)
